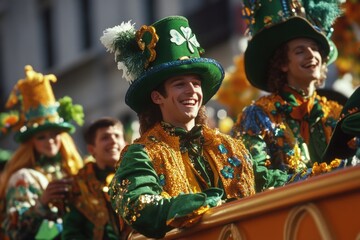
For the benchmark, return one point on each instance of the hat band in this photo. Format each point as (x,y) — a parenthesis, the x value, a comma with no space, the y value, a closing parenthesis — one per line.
(41,112)
(41,121)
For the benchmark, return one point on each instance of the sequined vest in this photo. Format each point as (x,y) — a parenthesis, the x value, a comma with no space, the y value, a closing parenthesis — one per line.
(285,137)
(228,158)
(90,199)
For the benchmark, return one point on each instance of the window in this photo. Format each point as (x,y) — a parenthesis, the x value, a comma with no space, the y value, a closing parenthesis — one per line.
(85,23)
(47,32)
(150,8)
(211,22)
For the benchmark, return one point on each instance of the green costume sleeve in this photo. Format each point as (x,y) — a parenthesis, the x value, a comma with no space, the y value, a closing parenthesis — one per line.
(137,195)
(75,226)
(264,177)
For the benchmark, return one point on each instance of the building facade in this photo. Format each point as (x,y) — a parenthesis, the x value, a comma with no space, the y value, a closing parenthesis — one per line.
(62,37)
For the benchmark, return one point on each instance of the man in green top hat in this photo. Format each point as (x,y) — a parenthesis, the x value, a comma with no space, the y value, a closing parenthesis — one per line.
(179,167)
(345,140)
(288,130)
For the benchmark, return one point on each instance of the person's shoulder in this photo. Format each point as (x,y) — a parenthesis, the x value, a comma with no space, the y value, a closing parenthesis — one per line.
(262,105)
(84,178)
(330,108)
(154,136)
(27,173)
(268,100)
(88,166)
(27,176)
(136,146)
(220,140)
(215,134)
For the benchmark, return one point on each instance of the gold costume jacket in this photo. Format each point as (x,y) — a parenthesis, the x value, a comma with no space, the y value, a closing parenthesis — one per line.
(156,181)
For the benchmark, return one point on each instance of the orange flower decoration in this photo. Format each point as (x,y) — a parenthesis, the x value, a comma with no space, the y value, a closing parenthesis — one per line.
(8,121)
(150,46)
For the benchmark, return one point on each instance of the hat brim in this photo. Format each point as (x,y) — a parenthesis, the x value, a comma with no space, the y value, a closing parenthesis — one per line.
(209,70)
(263,45)
(30,131)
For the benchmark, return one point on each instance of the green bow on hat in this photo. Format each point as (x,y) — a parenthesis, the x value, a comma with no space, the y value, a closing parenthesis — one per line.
(152,54)
(275,22)
(347,127)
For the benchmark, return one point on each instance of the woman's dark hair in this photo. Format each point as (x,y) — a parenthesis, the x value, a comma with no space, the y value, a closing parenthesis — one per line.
(277,78)
(152,113)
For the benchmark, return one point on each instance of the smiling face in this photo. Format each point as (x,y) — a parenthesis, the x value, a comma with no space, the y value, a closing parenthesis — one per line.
(107,146)
(182,101)
(304,67)
(47,142)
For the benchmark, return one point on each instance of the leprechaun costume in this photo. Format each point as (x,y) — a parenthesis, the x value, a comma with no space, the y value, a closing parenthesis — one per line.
(169,176)
(345,140)
(90,207)
(286,132)
(28,173)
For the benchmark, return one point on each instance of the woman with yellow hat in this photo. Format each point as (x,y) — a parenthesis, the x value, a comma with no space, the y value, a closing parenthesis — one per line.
(35,181)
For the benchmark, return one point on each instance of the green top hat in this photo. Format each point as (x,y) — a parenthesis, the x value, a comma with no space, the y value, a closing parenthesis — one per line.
(154,53)
(274,22)
(347,127)
(38,108)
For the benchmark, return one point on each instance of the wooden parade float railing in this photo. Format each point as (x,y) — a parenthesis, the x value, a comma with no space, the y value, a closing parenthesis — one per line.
(323,207)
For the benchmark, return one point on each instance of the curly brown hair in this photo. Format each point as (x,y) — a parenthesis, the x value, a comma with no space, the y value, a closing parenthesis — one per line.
(277,78)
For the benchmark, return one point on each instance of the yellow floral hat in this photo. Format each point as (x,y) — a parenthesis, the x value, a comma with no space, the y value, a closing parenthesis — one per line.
(33,108)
